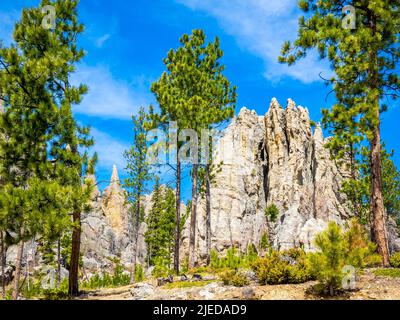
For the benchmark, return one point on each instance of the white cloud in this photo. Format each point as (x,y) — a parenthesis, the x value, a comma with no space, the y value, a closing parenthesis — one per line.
(261,27)
(110,150)
(109,97)
(102,40)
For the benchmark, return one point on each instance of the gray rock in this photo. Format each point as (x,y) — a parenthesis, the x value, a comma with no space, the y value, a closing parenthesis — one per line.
(248,293)
(142,291)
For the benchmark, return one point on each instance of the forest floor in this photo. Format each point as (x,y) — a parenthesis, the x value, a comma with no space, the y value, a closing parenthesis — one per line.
(368,287)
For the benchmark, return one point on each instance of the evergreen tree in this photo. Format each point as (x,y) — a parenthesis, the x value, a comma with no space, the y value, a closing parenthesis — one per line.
(152,221)
(160,227)
(390,181)
(195,93)
(40,164)
(138,174)
(365,61)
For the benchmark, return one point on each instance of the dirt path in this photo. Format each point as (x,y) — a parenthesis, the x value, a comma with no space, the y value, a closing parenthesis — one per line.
(369,287)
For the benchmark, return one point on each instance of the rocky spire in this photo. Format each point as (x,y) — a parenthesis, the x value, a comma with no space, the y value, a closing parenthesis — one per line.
(113,202)
(318,134)
(115,183)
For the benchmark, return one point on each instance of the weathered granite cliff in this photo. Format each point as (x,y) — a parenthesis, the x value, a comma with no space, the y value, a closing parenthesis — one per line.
(273,159)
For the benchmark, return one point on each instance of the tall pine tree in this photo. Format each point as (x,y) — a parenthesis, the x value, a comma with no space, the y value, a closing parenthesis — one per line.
(195,93)
(138,174)
(365,60)
(41,163)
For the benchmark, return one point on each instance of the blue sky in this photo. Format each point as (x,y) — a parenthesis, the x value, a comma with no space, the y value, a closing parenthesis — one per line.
(126,41)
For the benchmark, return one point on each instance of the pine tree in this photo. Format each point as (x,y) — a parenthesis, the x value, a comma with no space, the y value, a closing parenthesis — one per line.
(152,221)
(195,93)
(41,164)
(365,61)
(138,174)
(160,227)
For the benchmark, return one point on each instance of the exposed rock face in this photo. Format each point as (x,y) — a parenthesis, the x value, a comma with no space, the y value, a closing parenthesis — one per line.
(275,159)
(237,196)
(113,202)
(106,229)
(302,181)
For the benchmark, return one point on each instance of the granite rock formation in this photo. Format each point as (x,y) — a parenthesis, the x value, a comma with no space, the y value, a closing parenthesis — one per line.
(272,159)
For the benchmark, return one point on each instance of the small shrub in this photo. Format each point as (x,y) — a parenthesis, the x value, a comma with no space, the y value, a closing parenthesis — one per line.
(338,249)
(233,278)
(392,273)
(187,284)
(234,259)
(272,212)
(373,261)
(34,289)
(329,262)
(214,259)
(264,242)
(185,265)
(139,273)
(279,268)
(395,260)
(358,247)
(106,280)
(161,267)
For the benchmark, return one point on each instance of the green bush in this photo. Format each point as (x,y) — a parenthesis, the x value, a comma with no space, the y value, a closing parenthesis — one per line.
(357,245)
(283,268)
(395,260)
(161,267)
(272,212)
(234,259)
(139,273)
(389,272)
(106,280)
(338,249)
(33,289)
(373,260)
(233,278)
(264,242)
(329,262)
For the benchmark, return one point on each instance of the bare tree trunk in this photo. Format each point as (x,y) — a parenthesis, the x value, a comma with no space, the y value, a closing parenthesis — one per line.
(193,218)
(178,214)
(18,266)
(58,263)
(377,206)
(73,289)
(208,214)
(135,243)
(3,264)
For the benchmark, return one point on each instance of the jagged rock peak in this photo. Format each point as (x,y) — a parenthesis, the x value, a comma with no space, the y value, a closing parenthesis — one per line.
(274,104)
(115,182)
(318,134)
(114,177)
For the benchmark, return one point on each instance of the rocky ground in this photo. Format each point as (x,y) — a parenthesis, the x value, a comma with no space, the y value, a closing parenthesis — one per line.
(369,287)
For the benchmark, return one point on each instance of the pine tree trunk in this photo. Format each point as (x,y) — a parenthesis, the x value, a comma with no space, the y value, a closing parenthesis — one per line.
(58,263)
(73,289)
(208,214)
(135,243)
(377,206)
(18,267)
(3,264)
(178,215)
(193,218)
